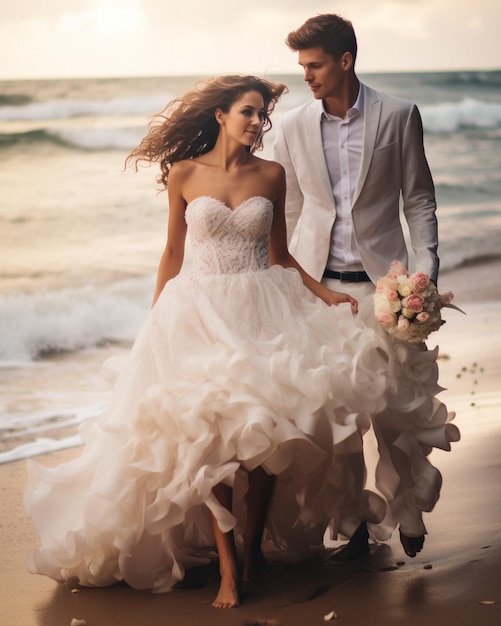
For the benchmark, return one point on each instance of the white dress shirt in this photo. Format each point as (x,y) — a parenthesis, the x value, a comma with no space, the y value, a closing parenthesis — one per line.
(343,142)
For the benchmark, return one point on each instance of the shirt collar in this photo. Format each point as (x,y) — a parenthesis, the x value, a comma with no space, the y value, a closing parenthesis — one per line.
(356,109)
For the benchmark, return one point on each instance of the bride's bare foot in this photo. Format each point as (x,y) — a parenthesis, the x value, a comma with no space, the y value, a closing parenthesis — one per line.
(228,596)
(411,545)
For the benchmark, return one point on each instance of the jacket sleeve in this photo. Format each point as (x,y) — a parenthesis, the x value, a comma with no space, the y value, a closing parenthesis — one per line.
(294,198)
(418,193)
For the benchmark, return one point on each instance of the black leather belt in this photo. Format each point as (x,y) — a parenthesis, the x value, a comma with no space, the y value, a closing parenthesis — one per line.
(348,277)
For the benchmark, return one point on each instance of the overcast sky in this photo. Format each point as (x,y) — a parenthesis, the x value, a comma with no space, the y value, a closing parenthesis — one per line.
(86,38)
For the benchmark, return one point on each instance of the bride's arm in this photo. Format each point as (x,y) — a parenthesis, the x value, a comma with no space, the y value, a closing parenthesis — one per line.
(172,258)
(280,255)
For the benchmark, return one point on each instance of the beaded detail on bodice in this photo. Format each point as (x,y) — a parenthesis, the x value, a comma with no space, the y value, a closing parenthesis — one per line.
(229,241)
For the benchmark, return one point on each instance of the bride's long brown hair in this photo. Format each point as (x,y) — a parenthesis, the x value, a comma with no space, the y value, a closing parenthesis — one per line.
(187,127)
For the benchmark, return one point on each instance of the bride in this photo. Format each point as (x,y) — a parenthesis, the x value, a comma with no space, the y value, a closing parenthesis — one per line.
(225,429)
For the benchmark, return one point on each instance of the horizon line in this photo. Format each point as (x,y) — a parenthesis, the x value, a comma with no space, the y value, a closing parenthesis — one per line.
(209,75)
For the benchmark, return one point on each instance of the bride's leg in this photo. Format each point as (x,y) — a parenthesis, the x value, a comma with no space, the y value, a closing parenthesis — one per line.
(258,501)
(228,595)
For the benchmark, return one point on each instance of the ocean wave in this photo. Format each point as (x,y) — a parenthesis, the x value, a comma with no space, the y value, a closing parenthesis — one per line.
(443,118)
(464,79)
(44,445)
(38,324)
(77,138)
(69,108)
(462,191)
(32,429)
(14,99)
(39,135)
(439,117)
(466,114)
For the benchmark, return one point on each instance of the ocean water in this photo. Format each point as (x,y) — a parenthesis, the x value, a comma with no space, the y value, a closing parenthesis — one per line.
(80,238)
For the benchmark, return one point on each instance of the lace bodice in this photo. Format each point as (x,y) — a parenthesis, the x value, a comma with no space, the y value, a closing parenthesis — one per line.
(227,241)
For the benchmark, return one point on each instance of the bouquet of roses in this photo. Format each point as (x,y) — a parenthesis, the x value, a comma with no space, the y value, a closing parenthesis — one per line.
(408,305)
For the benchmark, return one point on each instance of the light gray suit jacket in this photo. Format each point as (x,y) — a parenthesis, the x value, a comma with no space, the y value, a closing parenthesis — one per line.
(393,166)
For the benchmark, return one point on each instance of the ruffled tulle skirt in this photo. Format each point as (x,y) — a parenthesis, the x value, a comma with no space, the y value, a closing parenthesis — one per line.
(232,372)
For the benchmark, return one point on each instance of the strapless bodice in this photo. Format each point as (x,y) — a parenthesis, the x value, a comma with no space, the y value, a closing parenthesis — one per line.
(229,241)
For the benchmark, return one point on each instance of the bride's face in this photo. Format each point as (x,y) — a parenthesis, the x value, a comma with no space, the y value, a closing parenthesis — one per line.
(244,119)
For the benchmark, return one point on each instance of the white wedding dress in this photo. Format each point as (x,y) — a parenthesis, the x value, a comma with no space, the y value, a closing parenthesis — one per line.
(237,366)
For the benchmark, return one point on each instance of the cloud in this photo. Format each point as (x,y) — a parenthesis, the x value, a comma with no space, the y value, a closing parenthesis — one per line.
(105,20)
(394,17)
(20,10)
(130,37)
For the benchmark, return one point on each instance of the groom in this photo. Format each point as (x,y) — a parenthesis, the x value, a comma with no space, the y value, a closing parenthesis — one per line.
(351,155)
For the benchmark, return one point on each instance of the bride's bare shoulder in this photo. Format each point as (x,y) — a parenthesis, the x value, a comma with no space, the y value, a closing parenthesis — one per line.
(271,168)
(181,168)
(181,171)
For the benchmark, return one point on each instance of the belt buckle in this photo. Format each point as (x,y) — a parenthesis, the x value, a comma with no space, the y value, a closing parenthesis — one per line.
(347,277)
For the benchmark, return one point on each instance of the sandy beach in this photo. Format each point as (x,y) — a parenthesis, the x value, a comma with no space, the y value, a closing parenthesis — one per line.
(455,580)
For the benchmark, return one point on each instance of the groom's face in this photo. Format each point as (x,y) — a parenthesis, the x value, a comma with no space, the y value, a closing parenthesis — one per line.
(324,75)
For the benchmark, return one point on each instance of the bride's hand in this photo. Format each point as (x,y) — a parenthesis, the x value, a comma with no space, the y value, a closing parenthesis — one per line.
(333,298)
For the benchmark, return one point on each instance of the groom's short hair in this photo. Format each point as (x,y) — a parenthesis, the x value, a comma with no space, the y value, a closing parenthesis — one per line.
(332,33)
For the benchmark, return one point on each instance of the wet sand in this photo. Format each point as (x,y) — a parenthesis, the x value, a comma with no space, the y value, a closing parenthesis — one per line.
(446,584)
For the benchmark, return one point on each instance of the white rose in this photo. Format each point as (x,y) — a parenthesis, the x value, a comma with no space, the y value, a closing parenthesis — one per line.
(403,324)
(404,286)
(408,313)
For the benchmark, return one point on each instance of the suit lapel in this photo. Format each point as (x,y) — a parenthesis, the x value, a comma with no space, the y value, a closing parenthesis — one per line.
(315,147)
(372,113)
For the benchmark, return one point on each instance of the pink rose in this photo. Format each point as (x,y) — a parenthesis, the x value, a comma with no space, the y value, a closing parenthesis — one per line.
(413,302)
(387,319)
(423,316)
(420,281)
(388,282)
(398,269)
(446,298)
(392,295)
(389,294)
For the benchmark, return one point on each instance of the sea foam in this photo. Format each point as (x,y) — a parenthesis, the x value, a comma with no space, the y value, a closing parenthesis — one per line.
(71,319)
(468,113)
(69,108)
